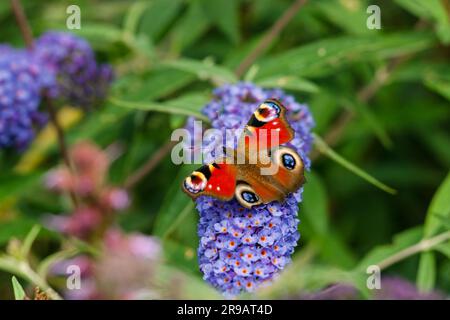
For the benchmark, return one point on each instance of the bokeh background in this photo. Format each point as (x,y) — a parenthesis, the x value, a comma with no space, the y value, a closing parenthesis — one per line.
(380,100)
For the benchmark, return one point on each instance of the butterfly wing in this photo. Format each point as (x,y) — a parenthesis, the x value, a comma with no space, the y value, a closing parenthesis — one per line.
(258,183)
(217,179)
(244,180)
(267,123)
(291,171)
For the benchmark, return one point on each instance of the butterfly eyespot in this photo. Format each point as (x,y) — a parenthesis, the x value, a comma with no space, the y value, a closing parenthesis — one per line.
(288,161)
(267,111)
(196,182)
(247,196)
(250,197)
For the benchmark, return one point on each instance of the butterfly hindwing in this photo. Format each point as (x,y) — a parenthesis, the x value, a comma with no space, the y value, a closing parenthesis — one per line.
(290,173)
(256,185)
(216,179)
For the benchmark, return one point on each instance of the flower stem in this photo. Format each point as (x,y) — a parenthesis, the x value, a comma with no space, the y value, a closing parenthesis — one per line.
(269,37)
(22,22)
(151,164)
(61,142)
(33,277)
(22,269)
(423,245)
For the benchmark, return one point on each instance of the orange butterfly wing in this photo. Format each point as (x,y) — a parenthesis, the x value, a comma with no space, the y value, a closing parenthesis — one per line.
(290,174)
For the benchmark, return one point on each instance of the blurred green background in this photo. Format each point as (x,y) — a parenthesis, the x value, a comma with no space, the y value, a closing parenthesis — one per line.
(380,99)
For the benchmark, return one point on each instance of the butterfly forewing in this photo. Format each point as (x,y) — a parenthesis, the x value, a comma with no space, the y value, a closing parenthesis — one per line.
(216,179)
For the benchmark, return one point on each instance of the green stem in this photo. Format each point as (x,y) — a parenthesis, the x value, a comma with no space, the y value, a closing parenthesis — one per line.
(269,37)
(22,269)
(323,147)
(423,245)
(179,219)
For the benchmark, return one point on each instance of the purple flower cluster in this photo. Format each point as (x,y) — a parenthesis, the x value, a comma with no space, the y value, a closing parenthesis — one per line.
(80,80)
(392,288)
(396,288)
(242,248)
(60,64)
(21,82)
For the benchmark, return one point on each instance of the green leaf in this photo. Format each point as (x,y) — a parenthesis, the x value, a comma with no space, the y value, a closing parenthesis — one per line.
(347,15)
(203,70)
(323,57)
(315,204)
(327,151)
(289,83)
(158,83)
(224,13)
(439,83)
(418,70)
(426,276)
(373,123)
(439,144)
(20,227)
(190,27)
(431,9)
(439,209)
(157,17)
(444,248)
(325,108)
(334,250)
(12,184)
(180,255)
(175,204)
(179,220)
(133,16)
(19,293)
(188,105)
(100,35)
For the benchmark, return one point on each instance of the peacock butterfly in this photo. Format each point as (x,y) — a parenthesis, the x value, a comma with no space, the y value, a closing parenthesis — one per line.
(247,172)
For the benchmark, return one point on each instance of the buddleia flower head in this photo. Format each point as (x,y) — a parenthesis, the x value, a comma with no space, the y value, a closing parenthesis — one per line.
(242,248)
(80,80)
(21,83)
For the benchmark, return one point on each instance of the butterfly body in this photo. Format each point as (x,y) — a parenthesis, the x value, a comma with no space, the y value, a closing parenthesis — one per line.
(259,170)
